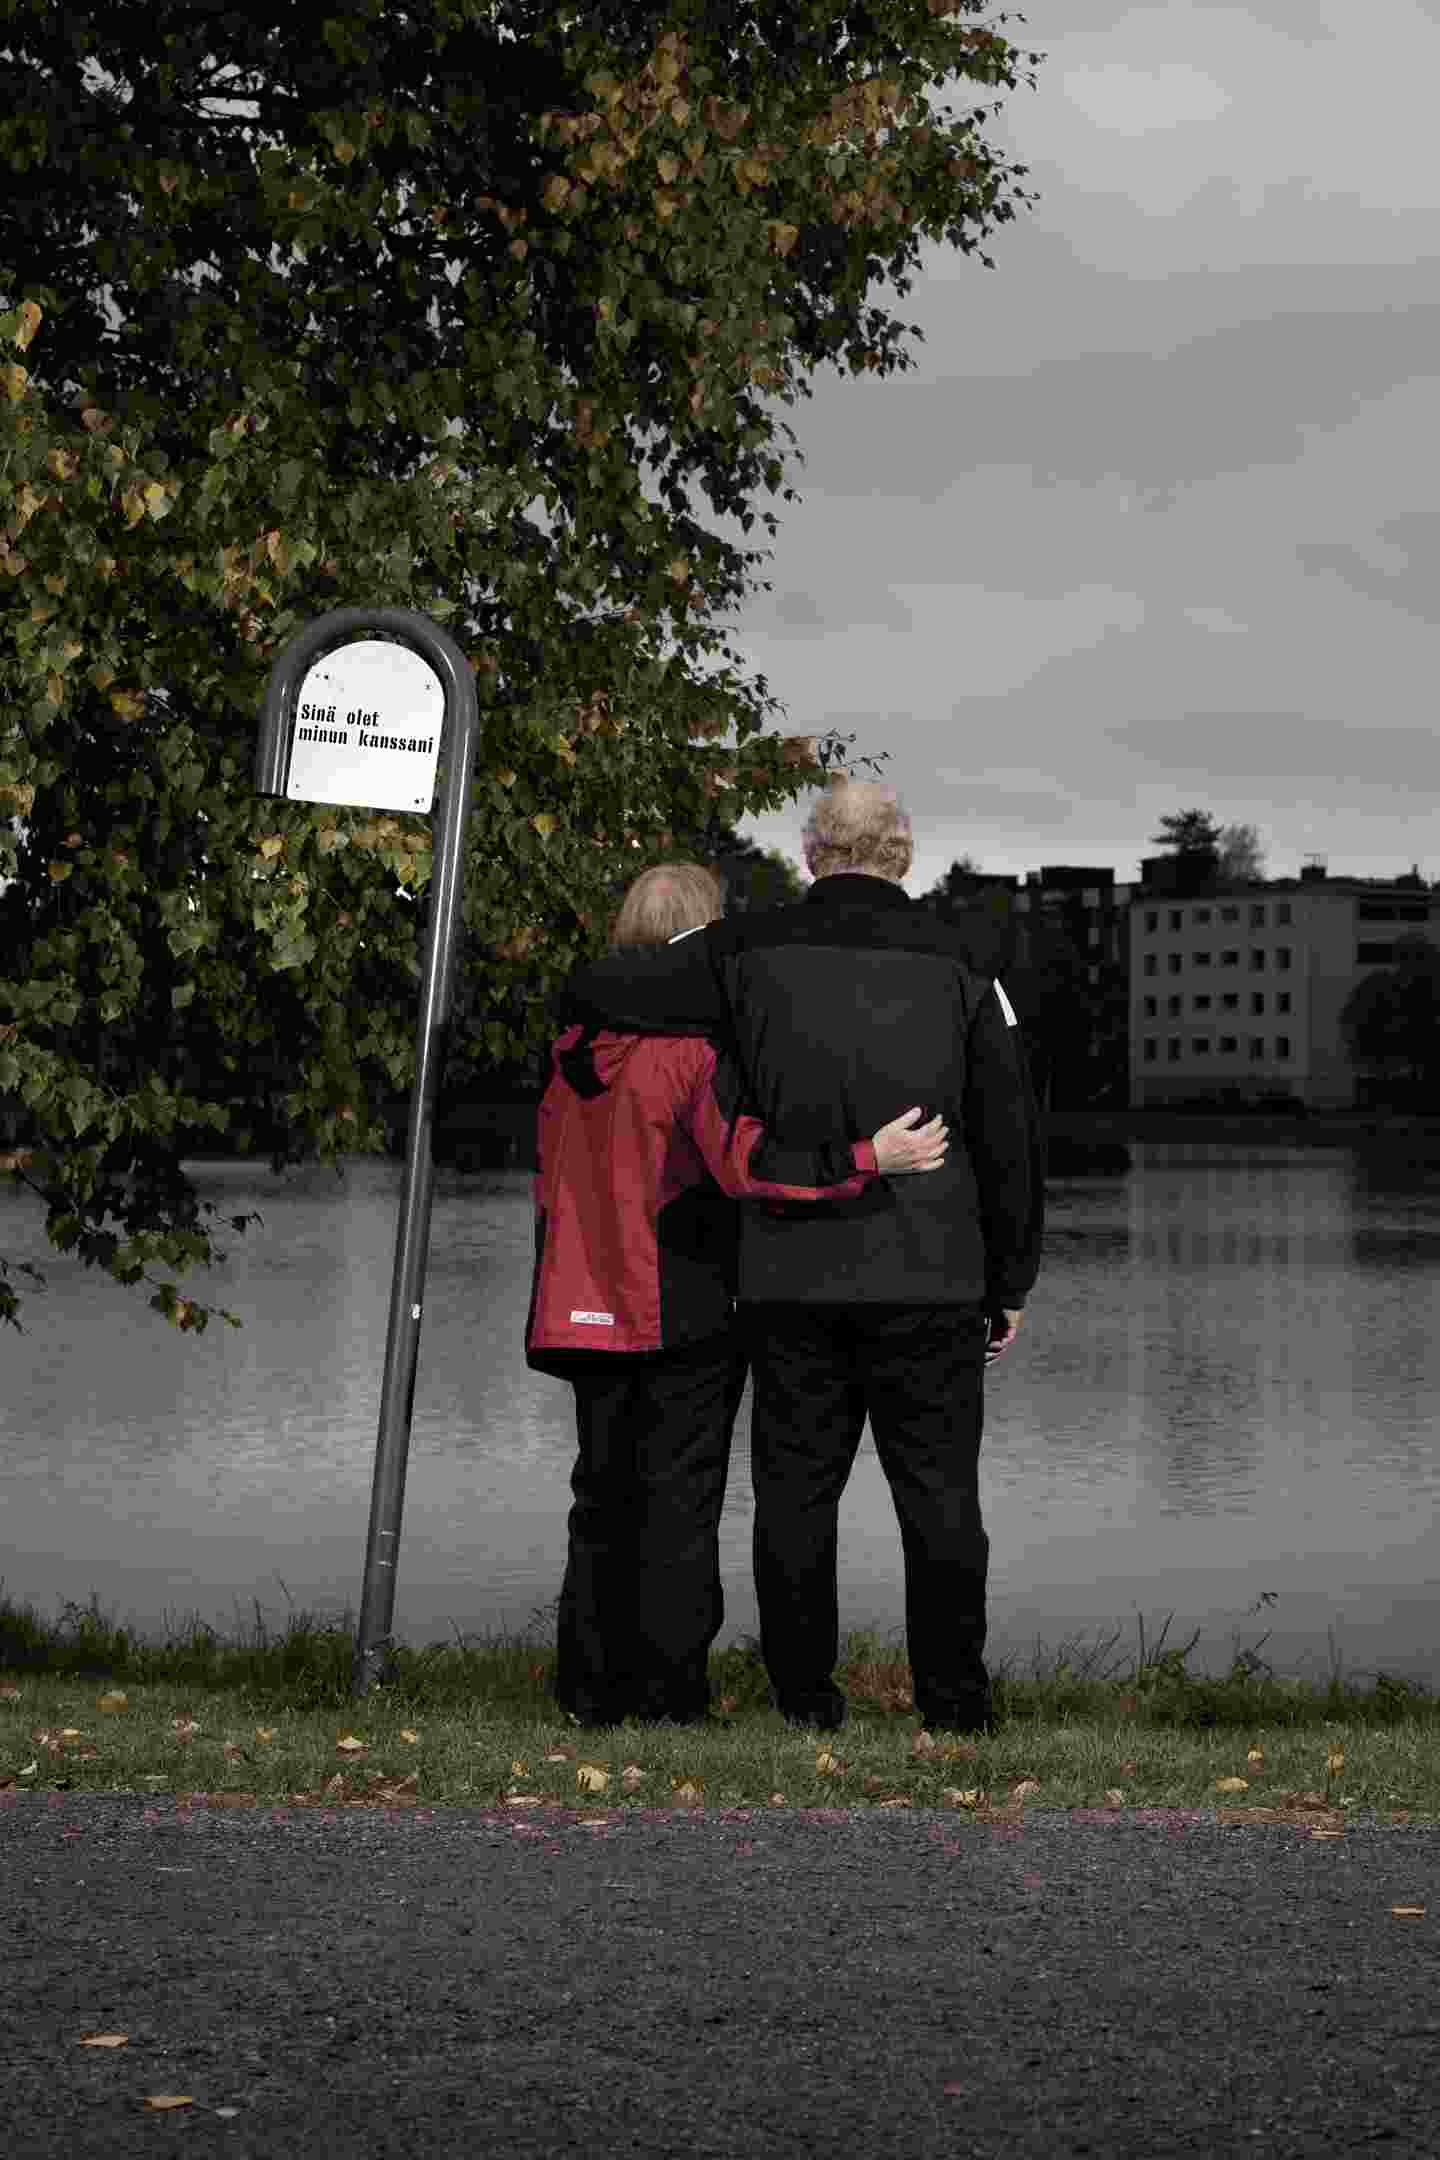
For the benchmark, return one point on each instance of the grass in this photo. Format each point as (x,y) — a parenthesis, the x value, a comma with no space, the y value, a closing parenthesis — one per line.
(268,1718)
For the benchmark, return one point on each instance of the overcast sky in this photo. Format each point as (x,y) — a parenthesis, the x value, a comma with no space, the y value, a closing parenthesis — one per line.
(1154,522)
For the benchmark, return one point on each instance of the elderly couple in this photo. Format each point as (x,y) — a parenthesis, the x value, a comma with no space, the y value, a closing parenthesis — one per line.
(706,1207)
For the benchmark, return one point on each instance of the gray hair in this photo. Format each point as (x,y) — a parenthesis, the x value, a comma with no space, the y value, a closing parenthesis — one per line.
(858,825)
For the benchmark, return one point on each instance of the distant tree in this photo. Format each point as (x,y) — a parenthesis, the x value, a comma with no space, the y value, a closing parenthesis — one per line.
(1241,856)
(983,909)
(1391,1021)
(1192,833)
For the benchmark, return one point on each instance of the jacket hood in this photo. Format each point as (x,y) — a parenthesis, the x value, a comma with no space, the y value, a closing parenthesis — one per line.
(594,1061)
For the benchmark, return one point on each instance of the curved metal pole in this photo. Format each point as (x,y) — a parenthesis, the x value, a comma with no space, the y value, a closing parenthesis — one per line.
(406,626)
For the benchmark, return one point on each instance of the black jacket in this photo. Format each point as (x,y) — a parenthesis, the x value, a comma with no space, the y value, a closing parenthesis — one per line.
(839,1009)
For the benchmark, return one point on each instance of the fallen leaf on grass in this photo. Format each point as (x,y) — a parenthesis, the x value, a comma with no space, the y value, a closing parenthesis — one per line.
(828,1764)
(1023,1787)
(591,1777)
(1408,1912)
(410,1738)
(115,1700)
(265,1733)
(974,1797)
(1127,1769)
(347,1744)
(29,1770)
(169,2100)
(185,1729)
(106,2040)
(1256,1758)
(1114,1797)
(8,1693)
(688,1791)
(1335,1761)
(233,1752)
(523,1799)
(555,1755)
(1232,1784)
(631,1776)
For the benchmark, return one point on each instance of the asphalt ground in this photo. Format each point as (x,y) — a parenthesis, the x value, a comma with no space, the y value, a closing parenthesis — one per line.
(699,1985)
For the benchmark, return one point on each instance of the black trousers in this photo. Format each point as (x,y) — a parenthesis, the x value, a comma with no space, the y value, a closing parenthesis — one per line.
(642,1604)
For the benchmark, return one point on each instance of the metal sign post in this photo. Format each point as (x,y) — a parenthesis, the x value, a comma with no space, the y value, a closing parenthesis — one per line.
(352,704)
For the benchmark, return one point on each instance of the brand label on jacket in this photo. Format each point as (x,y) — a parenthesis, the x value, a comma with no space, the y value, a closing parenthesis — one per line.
(1005,1006)
(594,1319)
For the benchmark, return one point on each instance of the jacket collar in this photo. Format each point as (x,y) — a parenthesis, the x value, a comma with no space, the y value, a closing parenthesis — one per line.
(859,885)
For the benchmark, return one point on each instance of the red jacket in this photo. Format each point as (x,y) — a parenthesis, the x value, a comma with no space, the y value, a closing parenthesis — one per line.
(643,1150)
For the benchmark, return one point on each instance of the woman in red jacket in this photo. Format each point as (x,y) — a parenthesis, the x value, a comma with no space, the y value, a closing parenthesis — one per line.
(644,1151)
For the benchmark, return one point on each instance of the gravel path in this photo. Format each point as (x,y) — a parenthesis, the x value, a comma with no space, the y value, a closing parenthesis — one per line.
(713,1986)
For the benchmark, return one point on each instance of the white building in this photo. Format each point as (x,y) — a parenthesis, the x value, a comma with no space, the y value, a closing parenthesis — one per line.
(1243,989)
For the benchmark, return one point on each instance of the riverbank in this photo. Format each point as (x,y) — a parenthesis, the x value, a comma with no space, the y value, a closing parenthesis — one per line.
(492,1136)
(269,1719)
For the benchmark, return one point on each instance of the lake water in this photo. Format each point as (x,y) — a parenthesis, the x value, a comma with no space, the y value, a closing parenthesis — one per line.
(1228,1382)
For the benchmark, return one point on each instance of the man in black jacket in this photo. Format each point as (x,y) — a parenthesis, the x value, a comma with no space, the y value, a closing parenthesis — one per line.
(838,1007)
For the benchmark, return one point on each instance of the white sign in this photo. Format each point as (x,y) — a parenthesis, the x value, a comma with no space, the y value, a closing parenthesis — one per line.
(367,729)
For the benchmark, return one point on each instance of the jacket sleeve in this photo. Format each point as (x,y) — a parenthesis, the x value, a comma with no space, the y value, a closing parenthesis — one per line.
(648,988)
(748,1165)
(1007,1148)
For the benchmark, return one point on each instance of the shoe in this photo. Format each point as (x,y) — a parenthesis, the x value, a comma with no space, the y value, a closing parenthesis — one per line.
(972,1717)
(828,1712)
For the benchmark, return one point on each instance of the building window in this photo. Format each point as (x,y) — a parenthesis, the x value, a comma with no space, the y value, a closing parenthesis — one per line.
(1257,1048)
(1230,957)
(1091,896)
(1282,911)
(1257,959)
(1152,918)
(1282,956)
(1175,918)
(1282,1046)
(1092,936)
(1229,914)
(1200,1044)
(1173,1004)
(1150,963)
(1257,915)
(1152,1007)
(1201,959)
(1282,1001)
(1202,914)
(1230,1002)
(1150,1050)
(1373,955)
(1257,1001)
(1172,1050)
(1201,1001)
(1229,1044)
(1172,961)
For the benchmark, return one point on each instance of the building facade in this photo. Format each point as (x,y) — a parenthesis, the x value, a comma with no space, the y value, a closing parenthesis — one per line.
(1236,993)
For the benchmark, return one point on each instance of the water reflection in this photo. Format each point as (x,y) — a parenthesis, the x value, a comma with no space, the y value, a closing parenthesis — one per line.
(1228,1381)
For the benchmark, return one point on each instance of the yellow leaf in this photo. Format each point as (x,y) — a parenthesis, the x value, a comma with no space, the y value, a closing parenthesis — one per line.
(505,777)
(106,2040)
(132,502)
(59,871)
(345,152)
(127,704)
(590,1777)
(408,1736)
(116,1700)
(29,1769)
(973,1797)
(1335,1761)
(688,1791)
(265,1732)
(157,499)
(1232,1784)
(14,381)
(1114,1797)
(169,2100)
(349,1745)
(1256,1758)
(271,845)
(30,320)
(544,824)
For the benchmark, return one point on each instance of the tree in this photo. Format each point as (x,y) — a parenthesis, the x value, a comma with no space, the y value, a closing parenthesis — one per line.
(1241,856)
(1391,1021)
(1191,835)
(410,307)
